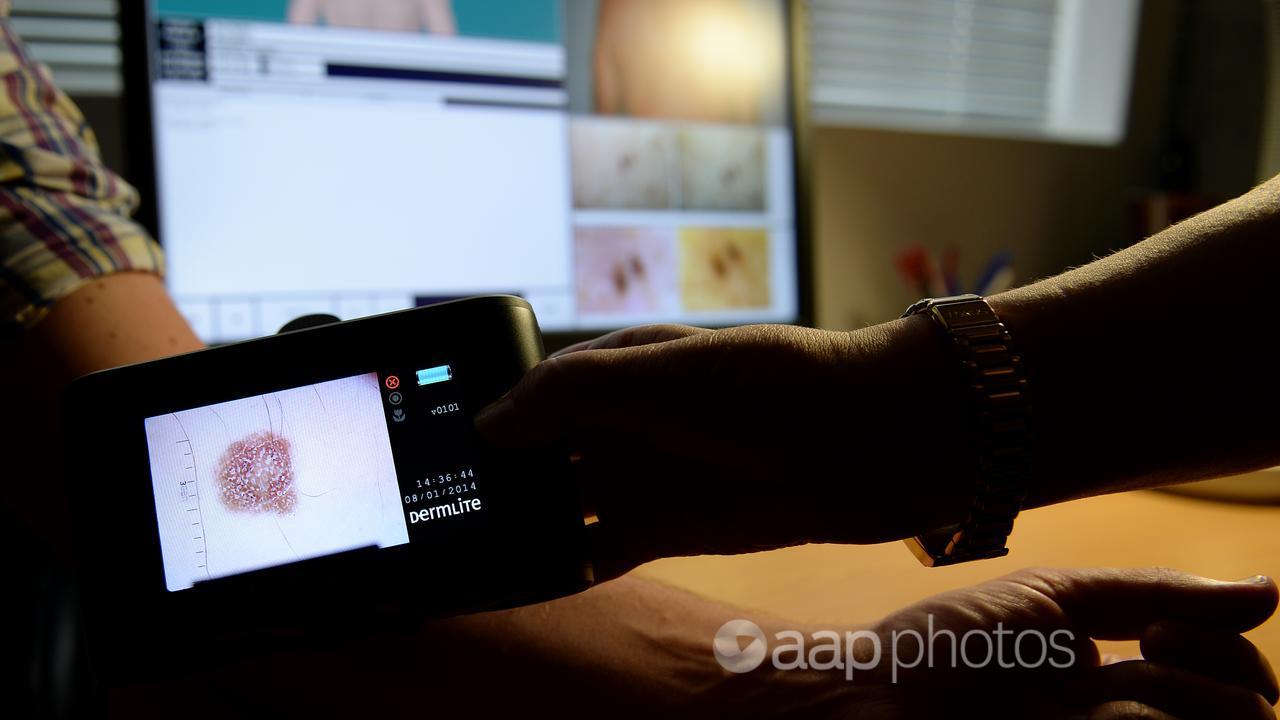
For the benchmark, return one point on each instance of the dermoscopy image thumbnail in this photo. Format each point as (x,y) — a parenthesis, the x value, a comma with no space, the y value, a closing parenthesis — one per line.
(273,479)
(722,168)
(641,165)
(623,270)
(724,268)
(623,165)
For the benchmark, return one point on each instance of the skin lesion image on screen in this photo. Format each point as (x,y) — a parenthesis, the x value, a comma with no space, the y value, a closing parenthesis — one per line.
(273,479)
(626,270)
(724,268)
(640,165)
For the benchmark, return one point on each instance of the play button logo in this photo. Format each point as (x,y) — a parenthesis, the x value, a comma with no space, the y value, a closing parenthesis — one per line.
(739,646)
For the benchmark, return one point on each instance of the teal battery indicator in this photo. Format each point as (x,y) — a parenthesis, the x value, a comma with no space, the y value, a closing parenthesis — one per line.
(433,375)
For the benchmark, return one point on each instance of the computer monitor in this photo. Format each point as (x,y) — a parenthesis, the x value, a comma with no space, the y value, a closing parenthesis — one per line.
(614,162)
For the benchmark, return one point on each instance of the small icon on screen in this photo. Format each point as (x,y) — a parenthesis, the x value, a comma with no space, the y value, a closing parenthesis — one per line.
(398,415)
(392,382)
(395,398)
(437,374)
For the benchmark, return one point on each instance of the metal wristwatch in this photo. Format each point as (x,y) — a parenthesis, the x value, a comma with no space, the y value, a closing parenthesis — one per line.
(998,443)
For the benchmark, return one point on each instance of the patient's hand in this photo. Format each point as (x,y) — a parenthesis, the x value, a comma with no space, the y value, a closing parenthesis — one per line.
(633,648)
(1194,662)
(713,442)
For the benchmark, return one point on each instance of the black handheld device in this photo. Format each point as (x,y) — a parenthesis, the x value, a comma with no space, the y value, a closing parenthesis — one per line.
(314,471)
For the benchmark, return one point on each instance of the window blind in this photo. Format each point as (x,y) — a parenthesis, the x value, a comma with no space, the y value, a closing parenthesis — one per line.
(986,66)
(77,39)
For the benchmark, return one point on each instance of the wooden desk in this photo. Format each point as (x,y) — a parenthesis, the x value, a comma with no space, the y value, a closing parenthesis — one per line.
(837,584)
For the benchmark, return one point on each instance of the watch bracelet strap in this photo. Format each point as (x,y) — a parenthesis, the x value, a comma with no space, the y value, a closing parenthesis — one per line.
(997,382)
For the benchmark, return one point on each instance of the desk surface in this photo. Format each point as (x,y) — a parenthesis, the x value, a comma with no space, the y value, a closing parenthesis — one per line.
(839,584)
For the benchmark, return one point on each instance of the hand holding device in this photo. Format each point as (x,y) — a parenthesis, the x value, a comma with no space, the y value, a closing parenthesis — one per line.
(724,441)
(334,467)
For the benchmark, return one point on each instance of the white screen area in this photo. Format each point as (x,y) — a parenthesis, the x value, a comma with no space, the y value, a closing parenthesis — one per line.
(306,167)
(412,197)
(273,479)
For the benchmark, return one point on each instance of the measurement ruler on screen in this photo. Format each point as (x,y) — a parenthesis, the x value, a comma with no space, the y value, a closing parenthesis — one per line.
(190,492)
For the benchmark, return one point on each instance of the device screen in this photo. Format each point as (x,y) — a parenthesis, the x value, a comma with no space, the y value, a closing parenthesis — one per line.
(373,459)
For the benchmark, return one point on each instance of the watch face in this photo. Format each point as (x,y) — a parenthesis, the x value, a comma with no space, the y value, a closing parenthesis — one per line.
(965,312)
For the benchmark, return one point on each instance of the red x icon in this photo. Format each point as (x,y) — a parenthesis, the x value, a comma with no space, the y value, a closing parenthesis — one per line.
(393,382)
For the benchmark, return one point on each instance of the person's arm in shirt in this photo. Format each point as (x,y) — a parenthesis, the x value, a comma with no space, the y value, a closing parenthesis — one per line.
(80,286)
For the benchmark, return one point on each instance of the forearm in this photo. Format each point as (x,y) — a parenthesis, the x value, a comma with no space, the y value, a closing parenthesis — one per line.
(627,648)
(629,638)
(1152,366)
(1157,364)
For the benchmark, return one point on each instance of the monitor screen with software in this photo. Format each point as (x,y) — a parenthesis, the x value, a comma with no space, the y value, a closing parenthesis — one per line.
(612,161)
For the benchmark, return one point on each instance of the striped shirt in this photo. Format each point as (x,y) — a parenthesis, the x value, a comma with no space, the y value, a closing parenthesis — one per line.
(64,217)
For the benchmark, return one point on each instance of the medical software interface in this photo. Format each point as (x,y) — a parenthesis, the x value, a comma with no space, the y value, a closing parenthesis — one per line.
(612,161)
(376,459)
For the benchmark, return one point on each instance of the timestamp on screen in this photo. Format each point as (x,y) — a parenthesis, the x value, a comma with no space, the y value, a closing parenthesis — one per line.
(447,478)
